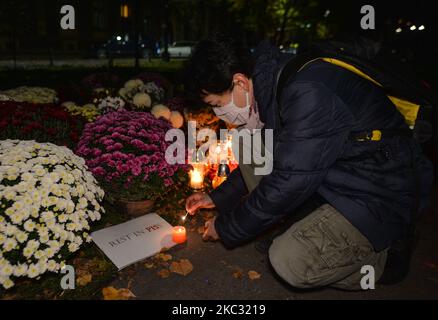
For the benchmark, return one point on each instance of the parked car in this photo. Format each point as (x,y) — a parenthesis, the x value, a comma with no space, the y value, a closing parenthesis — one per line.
(124,46)
(181,49)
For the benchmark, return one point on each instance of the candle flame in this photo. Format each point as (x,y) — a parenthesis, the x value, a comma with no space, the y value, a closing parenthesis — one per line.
(183,218)
(196,176)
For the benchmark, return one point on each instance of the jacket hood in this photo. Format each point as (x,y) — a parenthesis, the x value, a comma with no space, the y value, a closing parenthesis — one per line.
(268,60)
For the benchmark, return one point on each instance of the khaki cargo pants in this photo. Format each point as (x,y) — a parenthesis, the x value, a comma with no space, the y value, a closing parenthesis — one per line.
(324,249)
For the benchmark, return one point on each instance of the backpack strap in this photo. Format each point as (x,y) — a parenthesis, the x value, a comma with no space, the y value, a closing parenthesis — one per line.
(289,69)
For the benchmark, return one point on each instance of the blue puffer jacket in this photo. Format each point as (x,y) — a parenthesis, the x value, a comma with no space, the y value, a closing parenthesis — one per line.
(321,106)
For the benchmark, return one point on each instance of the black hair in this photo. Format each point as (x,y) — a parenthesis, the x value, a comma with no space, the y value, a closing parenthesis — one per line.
(212,65)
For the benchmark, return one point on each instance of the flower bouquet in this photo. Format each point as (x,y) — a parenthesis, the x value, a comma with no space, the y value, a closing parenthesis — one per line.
(109,104)
(48,200)
(159,81)
(31,94)
(141,95)
(88,111)
(125,151)
(174,117)
(40,122)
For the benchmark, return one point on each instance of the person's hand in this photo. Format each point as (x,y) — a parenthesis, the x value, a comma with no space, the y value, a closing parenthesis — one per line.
(197,201)
(210,233)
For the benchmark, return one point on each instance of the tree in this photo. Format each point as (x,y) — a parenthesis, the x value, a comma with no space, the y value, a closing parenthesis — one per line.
(281,21)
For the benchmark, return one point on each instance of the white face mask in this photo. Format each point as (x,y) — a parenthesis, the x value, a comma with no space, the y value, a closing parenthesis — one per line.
(232,114)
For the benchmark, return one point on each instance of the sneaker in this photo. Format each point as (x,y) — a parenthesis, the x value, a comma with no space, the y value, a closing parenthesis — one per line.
(399,260)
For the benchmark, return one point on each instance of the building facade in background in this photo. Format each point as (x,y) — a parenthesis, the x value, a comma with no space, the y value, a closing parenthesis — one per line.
(32,28)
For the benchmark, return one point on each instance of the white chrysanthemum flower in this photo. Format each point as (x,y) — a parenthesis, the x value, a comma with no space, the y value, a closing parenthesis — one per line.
(73,247)
(28,252)
(34,212)
(29,225)
(80,190)
(22,187)
(83,203)
(28,201)
(6,270)
(47,215)
(10,230)
(40,172)
(10,195)
(17,218)
(133,84)
(37,187)
(123,92)
(33,244)
(7,283)
(33,271)
(52,265)
(21,237)
(42,265)
(20,270)
(49,252)
(142,100)
(9,244)
(97,215)
(39,254)
(9,211)
(44,238)
(18,205)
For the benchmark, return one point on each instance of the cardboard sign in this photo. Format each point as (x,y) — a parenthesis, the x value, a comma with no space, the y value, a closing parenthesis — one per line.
(135,240)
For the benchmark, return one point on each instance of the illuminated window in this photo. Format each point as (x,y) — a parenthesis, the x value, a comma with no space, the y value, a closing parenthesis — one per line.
(124,11)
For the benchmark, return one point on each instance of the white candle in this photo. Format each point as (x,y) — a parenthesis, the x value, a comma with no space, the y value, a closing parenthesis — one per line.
(197,176)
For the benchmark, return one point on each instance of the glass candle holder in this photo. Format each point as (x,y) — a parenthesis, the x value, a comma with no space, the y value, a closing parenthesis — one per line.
(179,234)
(197,175)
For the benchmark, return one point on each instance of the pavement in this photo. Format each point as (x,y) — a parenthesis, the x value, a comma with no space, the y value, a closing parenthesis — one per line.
(214,266)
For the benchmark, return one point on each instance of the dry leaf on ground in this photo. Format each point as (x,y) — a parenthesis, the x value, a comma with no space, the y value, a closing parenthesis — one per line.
(164,273)
(83,278)
(254,275)
(238,274)
(111,293)
(163,256)
(182,267)
(149,265)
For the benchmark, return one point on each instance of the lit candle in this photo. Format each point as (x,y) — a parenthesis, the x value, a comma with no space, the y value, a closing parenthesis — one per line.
(197,176)
(179,234)
(217,181)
